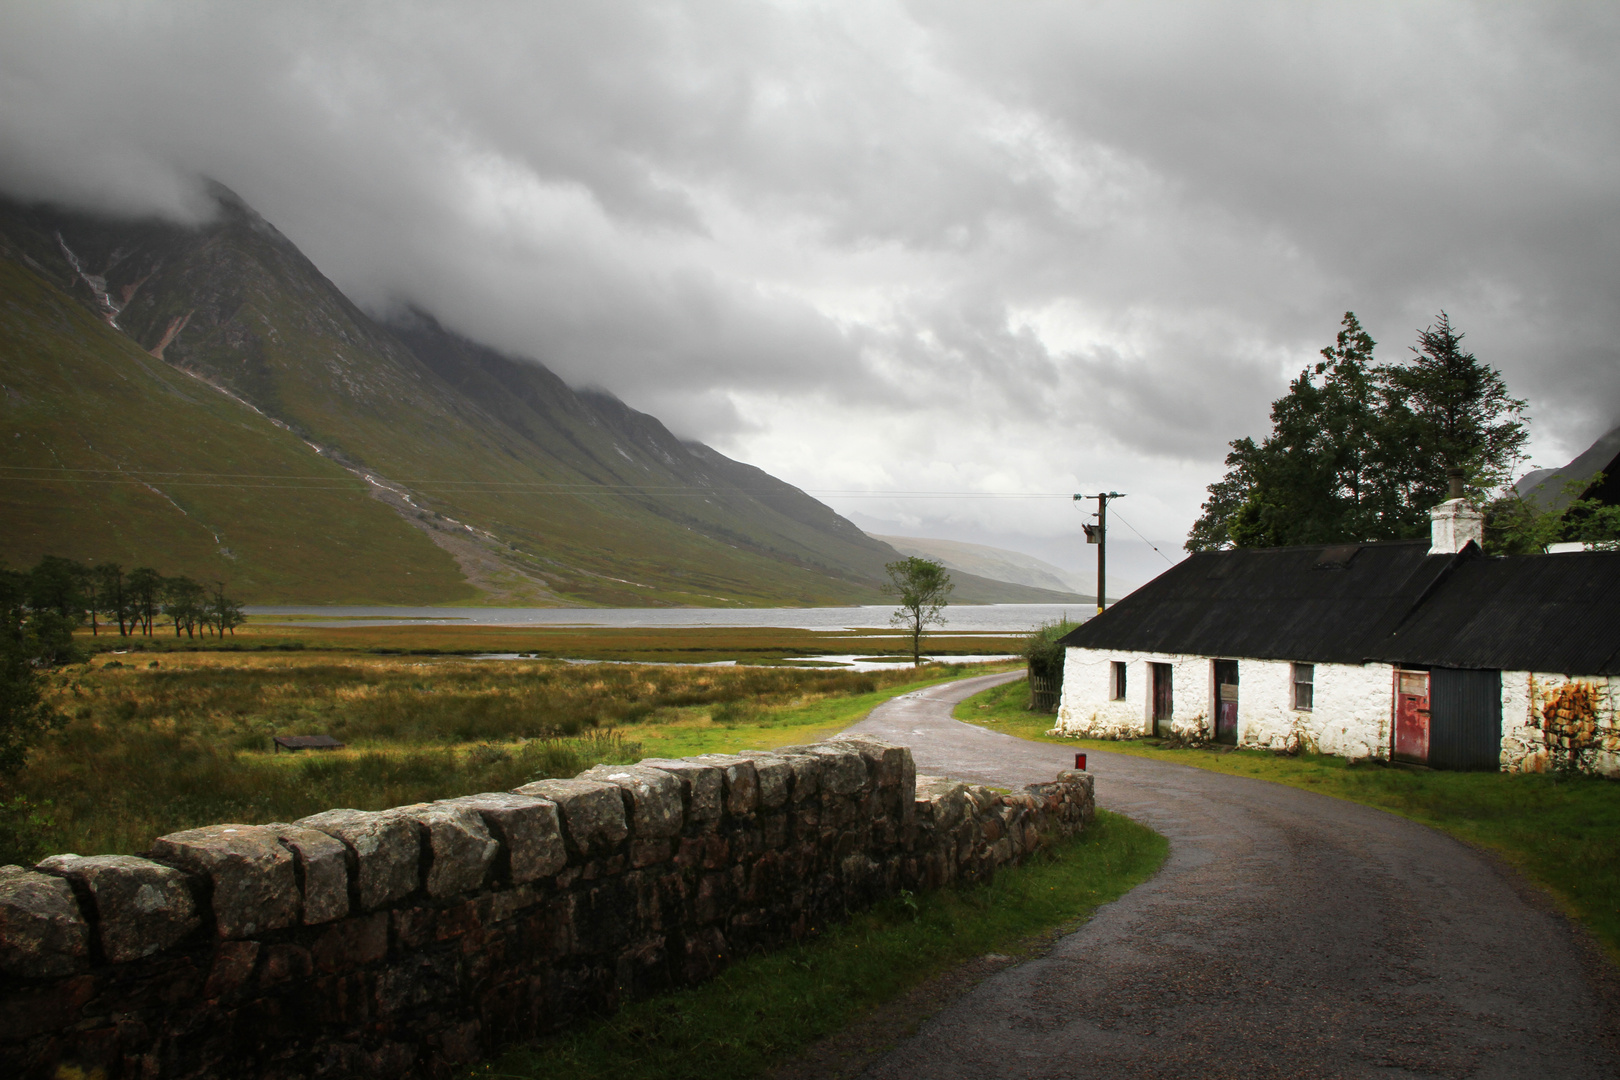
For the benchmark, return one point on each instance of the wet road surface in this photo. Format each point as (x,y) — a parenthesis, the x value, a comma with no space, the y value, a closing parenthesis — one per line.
(1289,934)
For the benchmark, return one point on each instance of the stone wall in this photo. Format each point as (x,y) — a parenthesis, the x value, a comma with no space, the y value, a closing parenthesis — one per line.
(405,942)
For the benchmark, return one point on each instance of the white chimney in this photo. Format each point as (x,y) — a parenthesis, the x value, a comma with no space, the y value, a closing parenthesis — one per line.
(1452,524)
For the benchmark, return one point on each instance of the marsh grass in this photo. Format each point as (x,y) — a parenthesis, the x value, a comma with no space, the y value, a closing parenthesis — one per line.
(762,1010)
(149,750)
(1562,832)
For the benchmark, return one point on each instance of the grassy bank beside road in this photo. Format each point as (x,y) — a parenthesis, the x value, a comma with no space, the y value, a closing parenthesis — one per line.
(763,1010)
(154,744)
(1560,832)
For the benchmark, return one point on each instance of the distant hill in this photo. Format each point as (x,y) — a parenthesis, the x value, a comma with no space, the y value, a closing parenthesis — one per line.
(1547,487)
(997,564)
(204,400)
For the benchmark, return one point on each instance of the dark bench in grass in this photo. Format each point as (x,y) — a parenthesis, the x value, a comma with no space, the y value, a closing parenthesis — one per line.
(306,742)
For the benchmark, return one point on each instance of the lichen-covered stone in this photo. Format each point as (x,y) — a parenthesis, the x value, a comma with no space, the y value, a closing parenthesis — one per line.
(741,782)
(141,906)
(255,887)
(592,812)
(947,799)
(774,775)
(460,849)
(702,786)
(843,768)
(890,764)
(654,797)
(42,932)
(528,828)
(384,852)
(807,770)
(323,871)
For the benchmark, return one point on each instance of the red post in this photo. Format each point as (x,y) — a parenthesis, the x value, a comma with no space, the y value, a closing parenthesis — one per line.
(1080,762)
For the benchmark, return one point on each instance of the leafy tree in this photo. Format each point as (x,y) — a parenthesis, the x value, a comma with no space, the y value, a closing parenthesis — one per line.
(1359,451)
(114,594)
(1043,653)
(145,591)
(184,601)
(223,612)
(57,584)
(1516,526)
(922,587)
(28,640)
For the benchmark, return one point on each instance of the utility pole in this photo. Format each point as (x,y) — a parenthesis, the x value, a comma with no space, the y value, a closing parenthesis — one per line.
(1098,534)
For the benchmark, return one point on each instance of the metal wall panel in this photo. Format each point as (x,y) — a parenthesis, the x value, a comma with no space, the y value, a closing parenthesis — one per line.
(1465,719)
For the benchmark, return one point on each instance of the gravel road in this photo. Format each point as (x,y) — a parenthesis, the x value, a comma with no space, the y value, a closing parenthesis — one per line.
(1288,935)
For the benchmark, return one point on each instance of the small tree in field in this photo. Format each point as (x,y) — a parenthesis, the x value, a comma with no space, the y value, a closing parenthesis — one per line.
(921,586)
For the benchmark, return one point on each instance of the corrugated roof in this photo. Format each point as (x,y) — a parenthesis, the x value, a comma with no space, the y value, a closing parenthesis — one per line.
(1556,613)
(1390,602)
(1318,604)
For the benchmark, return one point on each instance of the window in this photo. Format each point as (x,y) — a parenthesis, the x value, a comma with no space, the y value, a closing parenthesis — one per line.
(1117,688)
(1304,686)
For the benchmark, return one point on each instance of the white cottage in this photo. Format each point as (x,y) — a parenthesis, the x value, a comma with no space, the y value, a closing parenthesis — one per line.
(1423,651)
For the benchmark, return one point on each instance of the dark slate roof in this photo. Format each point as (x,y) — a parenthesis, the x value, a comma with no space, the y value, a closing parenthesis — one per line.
(1390,602)
(1318,604)
(1555,613)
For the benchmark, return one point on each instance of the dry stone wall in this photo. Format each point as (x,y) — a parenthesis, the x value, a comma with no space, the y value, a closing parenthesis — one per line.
(406,942)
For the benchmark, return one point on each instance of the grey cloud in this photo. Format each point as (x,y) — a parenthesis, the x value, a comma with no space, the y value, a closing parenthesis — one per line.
(856,208)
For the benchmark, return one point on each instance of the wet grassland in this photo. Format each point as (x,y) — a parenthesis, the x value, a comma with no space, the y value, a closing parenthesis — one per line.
(159,740)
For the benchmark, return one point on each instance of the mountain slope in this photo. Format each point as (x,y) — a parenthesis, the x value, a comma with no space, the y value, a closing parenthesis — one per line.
(105,454)
(540,493)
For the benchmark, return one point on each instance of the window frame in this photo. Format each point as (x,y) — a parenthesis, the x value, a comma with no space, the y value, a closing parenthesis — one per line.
(1116,680)
(1308,683)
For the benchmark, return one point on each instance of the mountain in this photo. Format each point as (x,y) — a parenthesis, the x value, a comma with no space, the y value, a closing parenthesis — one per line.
(998,564)
(203,400)
(1549,487)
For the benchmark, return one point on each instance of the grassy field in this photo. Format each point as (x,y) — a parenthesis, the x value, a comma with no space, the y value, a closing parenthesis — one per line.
(762,1010)
(1560,832)
(159,742)
(762,644)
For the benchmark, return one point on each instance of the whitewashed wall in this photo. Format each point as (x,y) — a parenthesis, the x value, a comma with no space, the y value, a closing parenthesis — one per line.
(1524,746)
(1350,715)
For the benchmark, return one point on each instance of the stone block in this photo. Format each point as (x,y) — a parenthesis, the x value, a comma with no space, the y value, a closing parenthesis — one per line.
(592,812)
(254,885)
(653,797)
(42,932)
(807,768)
(460,851)
(384,853)
(323,871)
(528,828)
(947,800)
(775,777)
(890,764)
(702,786)
(740,781)
(844,769)
(141,906)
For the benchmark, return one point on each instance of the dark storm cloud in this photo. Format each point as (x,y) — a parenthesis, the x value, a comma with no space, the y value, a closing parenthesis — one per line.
(1042,245)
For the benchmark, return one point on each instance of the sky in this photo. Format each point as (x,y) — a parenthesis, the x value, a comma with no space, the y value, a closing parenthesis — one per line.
(874,247)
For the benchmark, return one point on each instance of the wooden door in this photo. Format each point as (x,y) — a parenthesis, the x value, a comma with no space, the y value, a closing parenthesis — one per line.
(1226,702)
(1411,736)
(1164,698)
(1465,719)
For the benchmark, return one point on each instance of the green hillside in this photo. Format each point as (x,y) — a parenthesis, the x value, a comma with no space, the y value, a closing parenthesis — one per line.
(103,447)
(492,478)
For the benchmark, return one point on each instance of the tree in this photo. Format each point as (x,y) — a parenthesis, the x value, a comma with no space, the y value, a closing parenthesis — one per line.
(29,640)
(1516,526)
(921,586)
(145,591)
(1362,454)
(114,594)
(183,601)
(222,611)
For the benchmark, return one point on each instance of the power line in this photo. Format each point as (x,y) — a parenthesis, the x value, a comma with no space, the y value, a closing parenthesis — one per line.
(1144,539)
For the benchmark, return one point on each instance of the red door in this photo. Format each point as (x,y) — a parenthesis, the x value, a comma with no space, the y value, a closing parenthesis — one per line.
(1412,716)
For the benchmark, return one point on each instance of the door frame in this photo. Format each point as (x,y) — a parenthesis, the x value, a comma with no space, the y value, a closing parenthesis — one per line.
(1215,684)
(1161,672)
